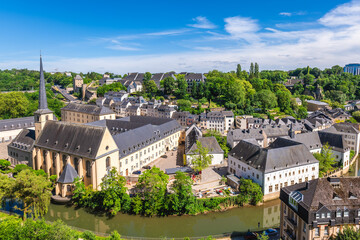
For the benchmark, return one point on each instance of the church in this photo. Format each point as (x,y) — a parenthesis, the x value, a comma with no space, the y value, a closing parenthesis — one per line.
(90,150)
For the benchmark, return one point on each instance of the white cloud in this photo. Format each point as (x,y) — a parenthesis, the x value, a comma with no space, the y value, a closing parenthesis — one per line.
(202,22)
(287,14)
(322,44)
(242,28)
(345,14)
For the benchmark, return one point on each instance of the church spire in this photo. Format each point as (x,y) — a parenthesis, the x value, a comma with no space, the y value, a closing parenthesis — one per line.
(42,91)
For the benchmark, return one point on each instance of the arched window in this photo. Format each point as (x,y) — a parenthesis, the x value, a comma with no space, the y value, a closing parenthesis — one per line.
(54,160)
(64,160)
(76,163)
(108,163)
(88,169)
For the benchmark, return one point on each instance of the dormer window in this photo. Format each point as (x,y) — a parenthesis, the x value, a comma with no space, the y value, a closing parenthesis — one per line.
(346,212)
(358,213)
(338,213)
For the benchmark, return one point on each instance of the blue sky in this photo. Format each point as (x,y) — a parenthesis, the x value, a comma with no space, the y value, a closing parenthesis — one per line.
(156,36)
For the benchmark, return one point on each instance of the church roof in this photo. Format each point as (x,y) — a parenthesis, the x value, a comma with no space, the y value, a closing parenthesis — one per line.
(75,139)
(68,175)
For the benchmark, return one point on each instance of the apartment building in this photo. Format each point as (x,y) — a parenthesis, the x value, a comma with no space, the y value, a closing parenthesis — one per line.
(221,121)
(84,113)
(320,208)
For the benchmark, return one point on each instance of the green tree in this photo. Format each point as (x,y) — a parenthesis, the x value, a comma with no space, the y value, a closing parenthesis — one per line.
(326,159)
(238,71)
(4,164)
(308,79)
(13,105)
(147,76)
(266,99)
(194,90)
(252,71)
(114,193)
(169,85)
(284,100)
(256,70)
(184,105)
(151,87)
(356,115)
(250,191)
(152,188)
(182,200)
(200,157)
(301,113)
(181,90)
(348,233)
(33,190)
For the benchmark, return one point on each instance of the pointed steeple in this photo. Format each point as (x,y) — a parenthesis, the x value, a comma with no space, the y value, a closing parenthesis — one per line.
(42,92)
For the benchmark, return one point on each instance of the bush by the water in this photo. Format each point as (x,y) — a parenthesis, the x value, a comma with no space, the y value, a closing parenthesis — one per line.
(153,198)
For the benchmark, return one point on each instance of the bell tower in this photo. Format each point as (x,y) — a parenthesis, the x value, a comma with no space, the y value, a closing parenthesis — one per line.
(43,113)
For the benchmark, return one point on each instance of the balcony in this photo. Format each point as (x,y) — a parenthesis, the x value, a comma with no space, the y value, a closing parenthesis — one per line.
(291,222)
(290,234)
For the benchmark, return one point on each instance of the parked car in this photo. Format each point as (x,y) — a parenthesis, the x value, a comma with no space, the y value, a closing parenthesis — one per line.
(270,232)
(251,235)
(146,167)
(164,156)
(138,172)
(174,149)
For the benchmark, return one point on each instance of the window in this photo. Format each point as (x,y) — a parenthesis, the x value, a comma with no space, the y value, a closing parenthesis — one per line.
(328,215)
(316,231)
(276,187)
(323,215)
(304,228)
(76,163)
(107,163)
(326,230)
(88,169)
(270,188)
(317,216)
(338,213)
(346,213)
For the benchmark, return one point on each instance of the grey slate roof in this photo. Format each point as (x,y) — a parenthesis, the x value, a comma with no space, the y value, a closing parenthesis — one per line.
(24,140)
(139,138)
(89,109)
(43,106)
(75,139)
(16,123)
(320,192)
(220,114)
(208,142)
(282,154)
(336,141)
(68,175)
(311,140)
(240,134)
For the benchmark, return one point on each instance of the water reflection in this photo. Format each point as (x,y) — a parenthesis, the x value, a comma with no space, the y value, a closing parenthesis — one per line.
(234,220)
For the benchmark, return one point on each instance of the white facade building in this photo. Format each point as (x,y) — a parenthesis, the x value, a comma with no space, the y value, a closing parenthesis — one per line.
(283,164)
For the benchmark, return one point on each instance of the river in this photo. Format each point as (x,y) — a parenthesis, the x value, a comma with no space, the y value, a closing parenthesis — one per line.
(216,223)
